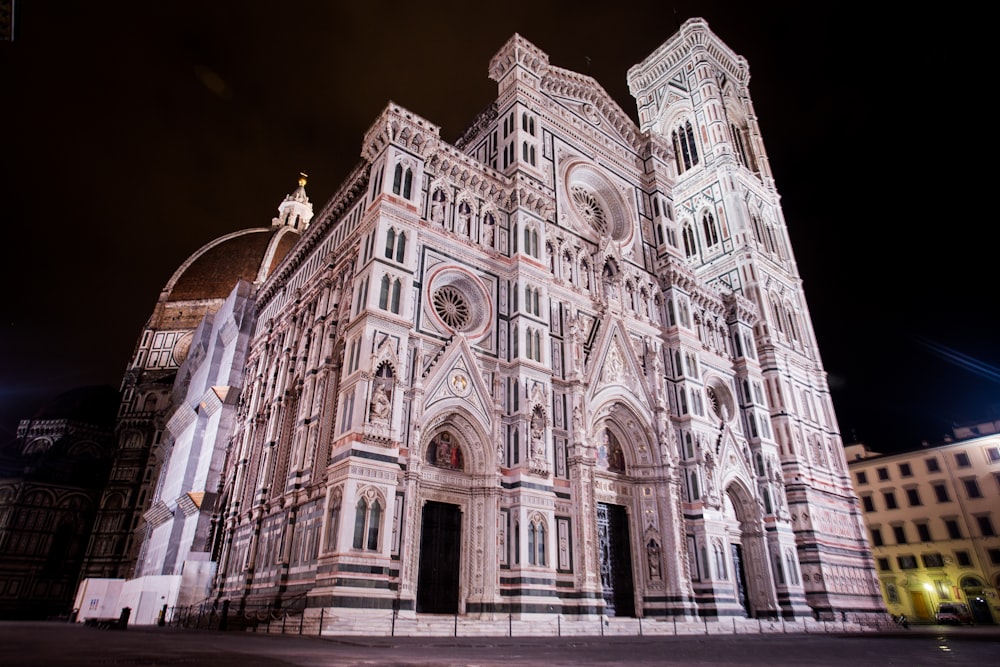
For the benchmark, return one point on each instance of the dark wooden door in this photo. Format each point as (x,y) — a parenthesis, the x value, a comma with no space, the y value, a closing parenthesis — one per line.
(615,560)
(440,557)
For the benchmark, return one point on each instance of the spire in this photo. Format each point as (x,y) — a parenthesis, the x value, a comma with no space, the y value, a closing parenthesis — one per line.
(295,211)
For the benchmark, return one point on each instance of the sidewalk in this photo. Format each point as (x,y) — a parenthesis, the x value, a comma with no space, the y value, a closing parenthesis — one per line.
(53,644)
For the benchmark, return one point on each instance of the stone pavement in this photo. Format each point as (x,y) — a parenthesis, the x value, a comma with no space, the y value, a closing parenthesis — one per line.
(56,644)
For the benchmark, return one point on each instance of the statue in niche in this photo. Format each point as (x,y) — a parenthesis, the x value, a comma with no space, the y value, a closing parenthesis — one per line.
(489,229)
(567,268)
(437,207)
(444,452)
(653,558)
(380,405)
(464,219)
(537,434)
(584,276)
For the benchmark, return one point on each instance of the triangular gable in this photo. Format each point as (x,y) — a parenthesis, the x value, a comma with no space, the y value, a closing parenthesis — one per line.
(456,380)
(385,351)
(588,100)
(730,460)
(615,364)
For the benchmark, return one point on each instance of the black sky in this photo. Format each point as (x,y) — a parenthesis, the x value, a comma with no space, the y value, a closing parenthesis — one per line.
(136,132)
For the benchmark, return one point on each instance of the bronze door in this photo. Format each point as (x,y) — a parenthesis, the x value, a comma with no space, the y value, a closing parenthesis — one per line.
(615,555)
(440,557)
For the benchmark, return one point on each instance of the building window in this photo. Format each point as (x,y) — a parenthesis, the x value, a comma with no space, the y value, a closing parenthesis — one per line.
(388,298)
(883,474)
(904,470)
(963,558)
(994,556)
(395,245)
(924,532)
(868,503)
(985,525)
(685,150)
(913,497)
(906,562)
(883,565)
(993,454)
(862,477)
(687,235)
(933,465)
(962,460)
(367,517)
(899,533)
(890,500)
(877,537)
(972,488)
(536,542)
(932,560)
(531,241)
(402,182)
(954,532)
(941,491)
(891,593)
(710,229)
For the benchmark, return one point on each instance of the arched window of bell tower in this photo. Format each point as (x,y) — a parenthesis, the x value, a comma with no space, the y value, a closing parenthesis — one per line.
(685,148)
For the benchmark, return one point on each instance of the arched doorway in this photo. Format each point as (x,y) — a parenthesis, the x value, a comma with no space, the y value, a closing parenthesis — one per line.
(614,537)
(747,553)
(439,563)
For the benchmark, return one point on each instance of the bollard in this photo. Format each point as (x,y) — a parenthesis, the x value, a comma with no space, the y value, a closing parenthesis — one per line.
(123,619)
(320,630)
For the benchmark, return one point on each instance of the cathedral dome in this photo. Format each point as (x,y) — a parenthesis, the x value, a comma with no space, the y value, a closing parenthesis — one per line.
(212,271)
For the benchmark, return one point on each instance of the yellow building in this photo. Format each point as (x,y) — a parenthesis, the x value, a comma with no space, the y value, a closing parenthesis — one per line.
(933,517)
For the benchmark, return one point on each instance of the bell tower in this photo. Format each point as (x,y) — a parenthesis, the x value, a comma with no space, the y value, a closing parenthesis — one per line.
(729,229)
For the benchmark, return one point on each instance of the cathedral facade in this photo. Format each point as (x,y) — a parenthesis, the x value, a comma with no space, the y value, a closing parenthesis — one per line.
(562,365)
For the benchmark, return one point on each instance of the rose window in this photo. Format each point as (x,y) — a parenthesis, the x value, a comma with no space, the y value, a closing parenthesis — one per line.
(589,208)
(452,307)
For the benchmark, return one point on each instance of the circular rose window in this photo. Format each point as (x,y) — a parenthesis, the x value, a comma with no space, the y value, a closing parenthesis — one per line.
(589,208)
(452,307)
(597,204)
(459,301)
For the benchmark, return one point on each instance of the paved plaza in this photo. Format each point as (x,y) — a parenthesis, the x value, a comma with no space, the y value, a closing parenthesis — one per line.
(53,644)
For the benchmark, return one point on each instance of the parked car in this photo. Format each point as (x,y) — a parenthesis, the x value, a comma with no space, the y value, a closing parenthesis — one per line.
(951,613)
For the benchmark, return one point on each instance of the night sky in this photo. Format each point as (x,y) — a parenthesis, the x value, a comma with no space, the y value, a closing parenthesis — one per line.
(136,132)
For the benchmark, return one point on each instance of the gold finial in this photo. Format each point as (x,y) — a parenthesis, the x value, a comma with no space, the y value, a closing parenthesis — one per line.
(302,179)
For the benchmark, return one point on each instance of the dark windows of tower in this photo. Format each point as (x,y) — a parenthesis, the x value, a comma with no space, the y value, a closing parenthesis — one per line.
(528,123)
(395,245)
(333,521)
(536,542)
(533,344)
(531,241)
(711,230)
(528,153)
(367,517)
(741,152)
(687,234)
(685,149)
(402,181)
(532,302)
(388,298)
